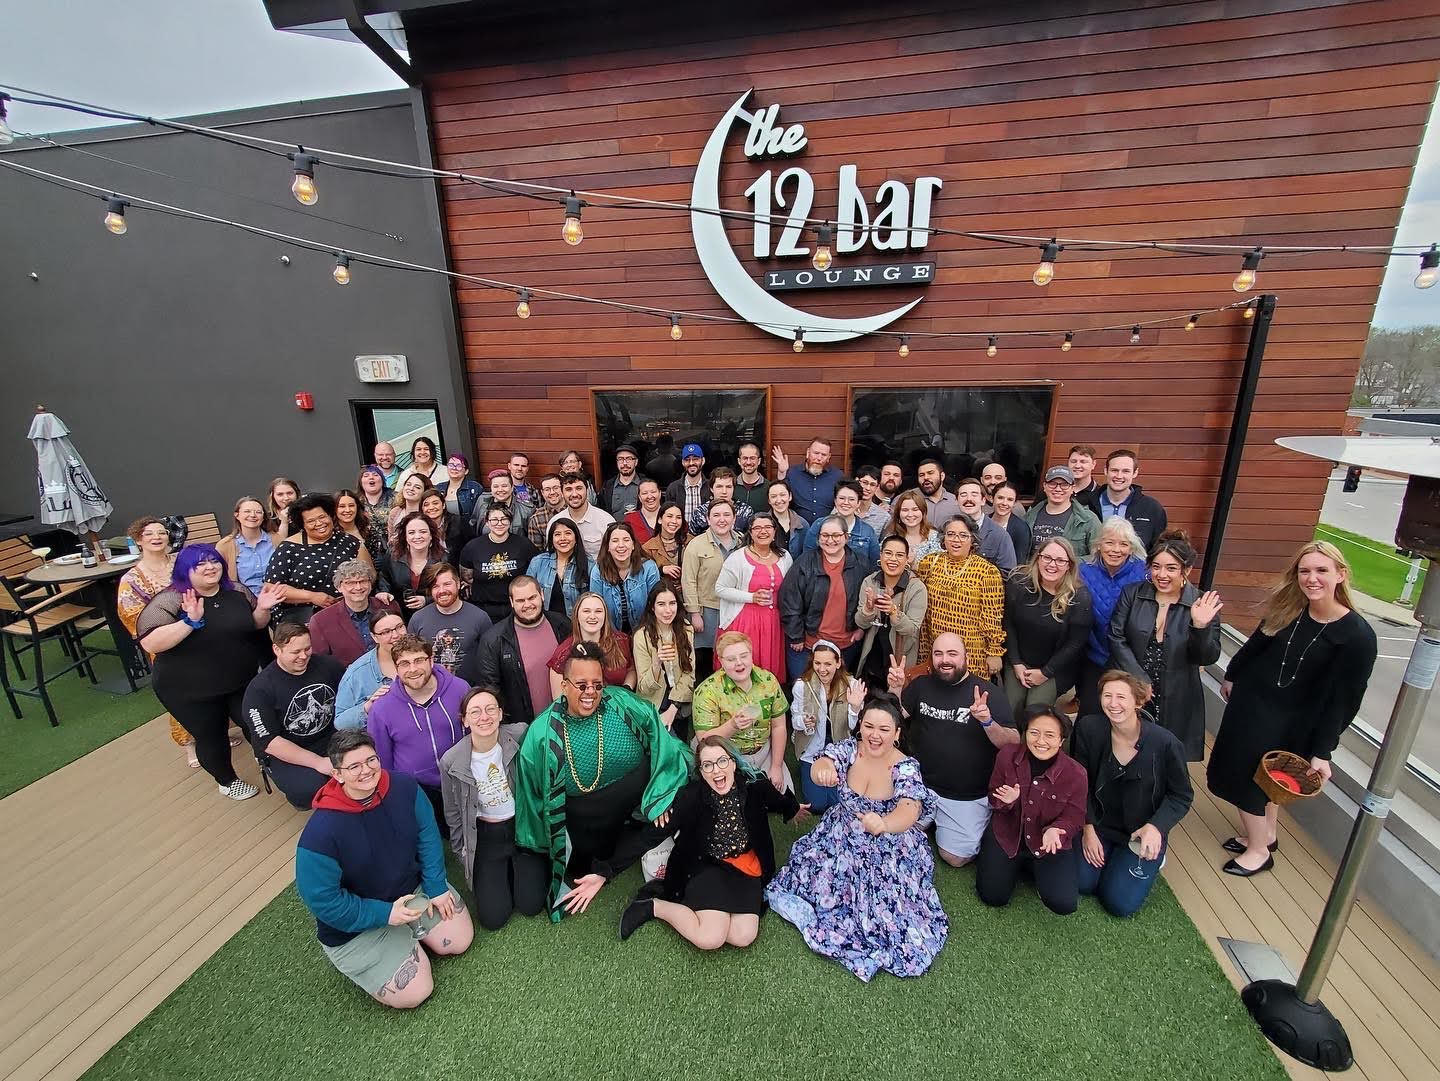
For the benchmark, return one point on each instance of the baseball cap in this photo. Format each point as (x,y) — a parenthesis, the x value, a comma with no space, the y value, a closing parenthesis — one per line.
(1059,472)
(691,450)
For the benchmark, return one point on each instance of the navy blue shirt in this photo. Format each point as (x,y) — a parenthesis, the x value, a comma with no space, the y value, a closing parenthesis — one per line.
(814,496)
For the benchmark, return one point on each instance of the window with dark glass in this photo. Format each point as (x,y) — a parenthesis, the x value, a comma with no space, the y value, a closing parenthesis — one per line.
(962,427)
(398,423)
(658,423)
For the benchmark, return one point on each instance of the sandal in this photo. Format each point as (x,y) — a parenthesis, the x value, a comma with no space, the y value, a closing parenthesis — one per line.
(190,756)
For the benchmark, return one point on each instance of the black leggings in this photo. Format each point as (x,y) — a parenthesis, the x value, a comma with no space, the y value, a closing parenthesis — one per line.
(208,722)
(504,880)
(1055,879)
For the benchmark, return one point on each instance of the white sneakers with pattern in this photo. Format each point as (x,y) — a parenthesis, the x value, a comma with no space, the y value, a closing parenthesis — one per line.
(238,790)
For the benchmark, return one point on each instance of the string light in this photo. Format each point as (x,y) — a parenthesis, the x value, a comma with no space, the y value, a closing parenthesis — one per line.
(1069,342)
(675,332)
(823,258)
(1045,272)
(572,233)
(115,215)
(1429,268)
(303,186)
(993,347)
(904,349)
(522,310)
(1250,310)
(799,345)
(341,273)
(1245,280)
(1135,334)
(1190,323)
(6,135)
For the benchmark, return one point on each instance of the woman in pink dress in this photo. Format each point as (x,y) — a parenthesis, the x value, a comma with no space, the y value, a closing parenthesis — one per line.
(748,587)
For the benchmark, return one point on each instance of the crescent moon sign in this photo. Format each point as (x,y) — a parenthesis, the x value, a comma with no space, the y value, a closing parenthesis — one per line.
(727,274)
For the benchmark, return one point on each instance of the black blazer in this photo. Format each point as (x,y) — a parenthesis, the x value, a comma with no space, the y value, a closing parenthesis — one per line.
(1155,786)
(692,817)
(497,663)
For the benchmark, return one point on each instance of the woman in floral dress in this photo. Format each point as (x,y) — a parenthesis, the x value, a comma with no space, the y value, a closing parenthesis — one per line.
(860,887)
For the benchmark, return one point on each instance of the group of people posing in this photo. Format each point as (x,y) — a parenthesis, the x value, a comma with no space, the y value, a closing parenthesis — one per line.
(574,678)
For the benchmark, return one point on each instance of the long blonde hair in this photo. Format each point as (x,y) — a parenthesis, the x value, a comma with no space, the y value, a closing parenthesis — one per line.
(1286,602)
(1029,573)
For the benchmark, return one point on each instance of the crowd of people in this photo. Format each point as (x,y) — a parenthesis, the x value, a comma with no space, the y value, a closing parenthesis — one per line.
(560,680)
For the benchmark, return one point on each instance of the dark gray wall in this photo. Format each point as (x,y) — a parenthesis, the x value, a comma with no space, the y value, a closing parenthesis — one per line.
(174,352)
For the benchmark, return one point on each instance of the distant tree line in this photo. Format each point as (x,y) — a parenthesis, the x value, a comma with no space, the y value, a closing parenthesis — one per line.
(1400,368)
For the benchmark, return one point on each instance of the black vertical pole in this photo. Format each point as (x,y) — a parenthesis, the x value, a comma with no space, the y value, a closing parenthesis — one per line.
(1239,431)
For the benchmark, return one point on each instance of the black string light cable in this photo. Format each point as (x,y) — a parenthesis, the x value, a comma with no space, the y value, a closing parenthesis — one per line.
(117,202)
(563,195)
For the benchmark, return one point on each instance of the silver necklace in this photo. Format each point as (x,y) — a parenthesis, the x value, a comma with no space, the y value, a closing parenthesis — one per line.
(1280,677)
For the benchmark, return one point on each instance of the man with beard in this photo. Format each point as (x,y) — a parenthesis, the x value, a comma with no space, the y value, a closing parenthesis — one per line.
(751,487)
(892,479)
(385,459)
(588,518)
(514,654)
(955,723)
(290,708)
(992,475)
(452,626)
(519,469)
(594,781)
(813,484)
(621,493)
(995,542)
(552,502)
(690,491)
(940,505)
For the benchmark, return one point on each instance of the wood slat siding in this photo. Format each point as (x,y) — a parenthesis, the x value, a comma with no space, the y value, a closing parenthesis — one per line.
(1286,122)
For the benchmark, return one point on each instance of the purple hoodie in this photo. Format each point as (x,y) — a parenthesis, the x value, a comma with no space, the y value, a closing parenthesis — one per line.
(411,738)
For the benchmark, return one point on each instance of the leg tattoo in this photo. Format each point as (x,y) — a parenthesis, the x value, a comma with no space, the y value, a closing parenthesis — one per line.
(408,970)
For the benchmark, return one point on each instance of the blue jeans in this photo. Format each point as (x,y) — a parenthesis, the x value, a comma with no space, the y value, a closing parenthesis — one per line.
(821,799)
(1124,882)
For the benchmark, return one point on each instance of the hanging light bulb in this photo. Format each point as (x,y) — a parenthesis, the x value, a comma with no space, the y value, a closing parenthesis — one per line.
(992,348)
(799,345)
(341,273)
(1045,272)
(522,310)
(904,349)
(675,332)
(1429,267)
(1069,342)
(303,186)
(1135,334)
(572,233)
(1190,323)
(1250,310)
(6,135)
(1245,280)
(823,258)
(115,215)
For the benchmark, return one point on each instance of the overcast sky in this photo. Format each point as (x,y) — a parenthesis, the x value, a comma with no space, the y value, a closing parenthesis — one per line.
(178,57)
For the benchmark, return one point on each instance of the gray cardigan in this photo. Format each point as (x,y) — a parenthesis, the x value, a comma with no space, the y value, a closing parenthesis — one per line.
(457,786)
(905,619)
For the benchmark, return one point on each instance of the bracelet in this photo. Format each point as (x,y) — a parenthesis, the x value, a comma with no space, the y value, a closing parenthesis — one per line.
(985,724)
(193,624)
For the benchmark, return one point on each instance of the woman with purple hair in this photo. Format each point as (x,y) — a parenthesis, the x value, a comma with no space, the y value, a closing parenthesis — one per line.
(205,633)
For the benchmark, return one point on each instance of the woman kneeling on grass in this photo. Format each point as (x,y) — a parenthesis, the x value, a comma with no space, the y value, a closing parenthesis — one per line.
(724,856)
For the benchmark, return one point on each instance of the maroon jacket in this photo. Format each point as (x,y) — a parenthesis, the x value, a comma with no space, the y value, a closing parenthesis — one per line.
(333,633)
(1055,798)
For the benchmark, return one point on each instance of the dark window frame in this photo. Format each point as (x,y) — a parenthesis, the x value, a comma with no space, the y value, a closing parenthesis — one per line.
(360,426)
(603,469)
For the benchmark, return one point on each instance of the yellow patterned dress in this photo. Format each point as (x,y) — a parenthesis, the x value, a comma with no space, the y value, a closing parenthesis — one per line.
(967,597)
(136,588)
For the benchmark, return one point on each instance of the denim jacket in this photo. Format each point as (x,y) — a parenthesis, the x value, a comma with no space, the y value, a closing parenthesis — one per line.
(636,588)
(542,569)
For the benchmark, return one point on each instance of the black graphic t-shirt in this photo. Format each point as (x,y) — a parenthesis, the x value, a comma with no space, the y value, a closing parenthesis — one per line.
(300,708)
(956,756)
(494,564)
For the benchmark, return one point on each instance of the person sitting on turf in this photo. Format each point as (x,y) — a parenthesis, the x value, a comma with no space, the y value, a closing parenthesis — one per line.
(592,759)
(724,856)
(290,711)
(370,867)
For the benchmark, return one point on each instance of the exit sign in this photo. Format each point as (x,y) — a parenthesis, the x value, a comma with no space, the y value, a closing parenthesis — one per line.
(382,368)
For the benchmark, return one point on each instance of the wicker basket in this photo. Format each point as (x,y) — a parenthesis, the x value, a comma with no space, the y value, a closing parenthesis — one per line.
(1290,765)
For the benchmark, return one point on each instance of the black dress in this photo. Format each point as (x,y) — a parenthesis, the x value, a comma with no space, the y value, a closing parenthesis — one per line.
(302,565)
(217,660)
(1296,690)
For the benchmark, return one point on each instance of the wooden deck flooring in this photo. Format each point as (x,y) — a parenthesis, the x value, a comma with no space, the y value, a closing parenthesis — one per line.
(154,872)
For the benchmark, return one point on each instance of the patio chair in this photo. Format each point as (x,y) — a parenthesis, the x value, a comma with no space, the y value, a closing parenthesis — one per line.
(33,622)
(203,529)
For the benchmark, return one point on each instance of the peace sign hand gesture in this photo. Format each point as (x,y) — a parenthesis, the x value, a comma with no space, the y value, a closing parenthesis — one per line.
(980,708)
(1206,607)
(895,677)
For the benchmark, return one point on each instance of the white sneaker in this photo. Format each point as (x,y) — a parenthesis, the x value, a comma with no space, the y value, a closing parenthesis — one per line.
(238,790)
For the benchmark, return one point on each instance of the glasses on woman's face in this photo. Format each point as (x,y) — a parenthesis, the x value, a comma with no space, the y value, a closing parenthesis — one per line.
(711,765)
(587,684)
(1055,561)
(356,768)
(386,632)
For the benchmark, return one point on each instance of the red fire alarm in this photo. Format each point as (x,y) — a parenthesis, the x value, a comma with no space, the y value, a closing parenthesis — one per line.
(305,400)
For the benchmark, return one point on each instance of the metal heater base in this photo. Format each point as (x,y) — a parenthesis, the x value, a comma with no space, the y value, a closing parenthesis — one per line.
(1306,1031)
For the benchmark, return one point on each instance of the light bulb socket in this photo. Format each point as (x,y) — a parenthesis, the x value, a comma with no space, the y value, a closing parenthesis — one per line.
(573,205)
(1252,259)
(1069,341)
(799,345)
(904,349)
(116,205)
(1190,323)
(341,273)
(675,331)
(1135,334)
(1429,260)
(1052,252)
(304,164)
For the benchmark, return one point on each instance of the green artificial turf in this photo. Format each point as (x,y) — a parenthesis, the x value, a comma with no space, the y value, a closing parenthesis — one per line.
(1016,993)
(1375,569)
(89,718)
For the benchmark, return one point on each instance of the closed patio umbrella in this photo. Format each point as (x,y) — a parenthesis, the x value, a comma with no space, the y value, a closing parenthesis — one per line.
(69,496)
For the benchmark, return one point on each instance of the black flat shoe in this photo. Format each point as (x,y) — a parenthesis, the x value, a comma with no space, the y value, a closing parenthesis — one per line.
(1237,846)
(637,913)
(1233,868)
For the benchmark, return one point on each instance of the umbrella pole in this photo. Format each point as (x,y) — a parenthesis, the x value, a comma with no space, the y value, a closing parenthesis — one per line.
(1292,1017)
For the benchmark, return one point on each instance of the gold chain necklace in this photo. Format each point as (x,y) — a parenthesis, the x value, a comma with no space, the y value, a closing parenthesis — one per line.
(599,754)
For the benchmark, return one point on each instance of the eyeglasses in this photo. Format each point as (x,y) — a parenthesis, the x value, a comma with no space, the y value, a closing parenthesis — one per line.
(1055,561)
(832,536)
(713,764)
(355,768)
(586,684)
(387,631)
